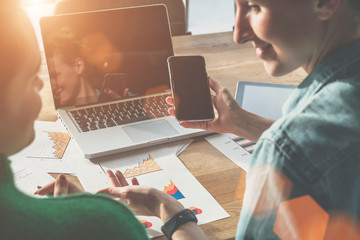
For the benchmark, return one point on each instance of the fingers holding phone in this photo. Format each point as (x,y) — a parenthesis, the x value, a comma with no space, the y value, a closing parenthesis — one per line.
(191,95)
(115,86)
(226,110)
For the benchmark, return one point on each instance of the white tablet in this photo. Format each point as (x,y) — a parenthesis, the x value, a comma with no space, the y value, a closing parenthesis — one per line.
(264,99)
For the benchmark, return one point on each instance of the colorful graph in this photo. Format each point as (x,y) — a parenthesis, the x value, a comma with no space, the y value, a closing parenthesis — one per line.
(146,223)
(50,145)
(173,191)
(245,144)
(195,210)
(147,166)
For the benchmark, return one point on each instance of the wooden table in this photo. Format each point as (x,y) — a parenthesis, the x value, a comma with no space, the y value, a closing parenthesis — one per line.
(227,63)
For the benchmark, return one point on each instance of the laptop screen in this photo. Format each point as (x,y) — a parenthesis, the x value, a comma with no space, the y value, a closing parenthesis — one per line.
(107,55)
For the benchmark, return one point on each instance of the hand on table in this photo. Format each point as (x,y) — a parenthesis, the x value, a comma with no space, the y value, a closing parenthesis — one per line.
(142,200)
(61,186)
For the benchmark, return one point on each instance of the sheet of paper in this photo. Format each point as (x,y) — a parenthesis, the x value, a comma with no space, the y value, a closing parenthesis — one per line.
(235,148)
(91,173)
(156,167)
(49,150)
(168,174)
(184,144)
(29,179)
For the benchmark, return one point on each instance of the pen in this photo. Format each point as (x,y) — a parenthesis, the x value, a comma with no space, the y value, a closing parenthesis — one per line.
(36,192)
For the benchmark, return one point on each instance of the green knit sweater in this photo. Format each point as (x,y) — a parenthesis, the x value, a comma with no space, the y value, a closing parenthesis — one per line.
(77,216)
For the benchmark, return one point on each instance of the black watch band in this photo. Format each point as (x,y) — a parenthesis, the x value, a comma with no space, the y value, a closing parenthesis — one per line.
(176,221)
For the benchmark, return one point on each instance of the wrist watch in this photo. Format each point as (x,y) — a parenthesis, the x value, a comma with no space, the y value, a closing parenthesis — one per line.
(176,221)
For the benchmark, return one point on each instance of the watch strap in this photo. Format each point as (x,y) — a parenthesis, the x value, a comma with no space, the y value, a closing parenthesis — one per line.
(176,221)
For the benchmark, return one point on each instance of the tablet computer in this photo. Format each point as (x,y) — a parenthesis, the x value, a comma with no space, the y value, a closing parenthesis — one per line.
(264,99)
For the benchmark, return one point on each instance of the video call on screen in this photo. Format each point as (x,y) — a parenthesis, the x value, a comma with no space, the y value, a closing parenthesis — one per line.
(107,55)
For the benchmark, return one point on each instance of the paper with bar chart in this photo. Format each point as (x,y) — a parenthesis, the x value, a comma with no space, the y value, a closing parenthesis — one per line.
(50,145)
(168,174)
(237,149)
(50,150)
(158,169)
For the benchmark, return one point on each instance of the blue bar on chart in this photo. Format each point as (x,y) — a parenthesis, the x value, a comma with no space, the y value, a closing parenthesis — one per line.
(245,144)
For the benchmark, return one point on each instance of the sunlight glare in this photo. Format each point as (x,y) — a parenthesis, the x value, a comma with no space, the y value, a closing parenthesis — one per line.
(36,2)
(35,12)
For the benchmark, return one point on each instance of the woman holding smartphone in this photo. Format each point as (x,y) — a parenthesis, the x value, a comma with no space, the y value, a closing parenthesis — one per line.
(307,162)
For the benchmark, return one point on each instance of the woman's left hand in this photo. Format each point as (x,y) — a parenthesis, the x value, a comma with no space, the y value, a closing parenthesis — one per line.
(61,186)
(142,200)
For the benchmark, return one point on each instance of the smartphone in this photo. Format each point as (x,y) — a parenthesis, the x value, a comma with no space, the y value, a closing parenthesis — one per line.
(113,87)
(190,88)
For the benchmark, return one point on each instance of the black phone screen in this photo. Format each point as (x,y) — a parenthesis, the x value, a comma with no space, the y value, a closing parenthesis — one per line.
(190,88)
(115,86)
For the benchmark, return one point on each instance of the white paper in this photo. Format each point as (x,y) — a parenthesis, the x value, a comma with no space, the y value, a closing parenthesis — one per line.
(92,175)
(184,144)
(28,180)
(190,193)
(156,167)
(224,143)
(49,151)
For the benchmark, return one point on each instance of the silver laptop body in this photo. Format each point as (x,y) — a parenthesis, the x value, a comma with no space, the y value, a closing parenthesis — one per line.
(109,78)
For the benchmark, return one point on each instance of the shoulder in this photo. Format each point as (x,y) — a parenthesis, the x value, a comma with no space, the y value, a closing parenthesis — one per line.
(320,134)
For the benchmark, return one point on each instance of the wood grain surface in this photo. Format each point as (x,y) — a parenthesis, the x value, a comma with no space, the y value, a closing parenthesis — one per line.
(227,63)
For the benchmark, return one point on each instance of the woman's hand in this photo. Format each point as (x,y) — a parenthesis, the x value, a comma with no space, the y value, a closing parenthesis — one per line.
(229,116)
(150,202)
(61,186)
(142,200)
(227,111)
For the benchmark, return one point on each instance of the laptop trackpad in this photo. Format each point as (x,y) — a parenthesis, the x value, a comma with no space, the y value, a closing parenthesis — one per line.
(145,132)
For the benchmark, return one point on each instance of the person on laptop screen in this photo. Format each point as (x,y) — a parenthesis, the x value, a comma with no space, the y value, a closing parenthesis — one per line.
(78,78)
(80,216)
(304,178)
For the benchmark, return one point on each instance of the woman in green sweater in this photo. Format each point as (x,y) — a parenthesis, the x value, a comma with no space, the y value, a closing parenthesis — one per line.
(77,216)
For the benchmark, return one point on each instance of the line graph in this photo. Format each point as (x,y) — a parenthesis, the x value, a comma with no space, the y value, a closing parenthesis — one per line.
(147,166)
(50,145)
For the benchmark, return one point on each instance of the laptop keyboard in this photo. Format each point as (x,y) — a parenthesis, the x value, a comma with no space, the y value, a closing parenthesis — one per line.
(104,116)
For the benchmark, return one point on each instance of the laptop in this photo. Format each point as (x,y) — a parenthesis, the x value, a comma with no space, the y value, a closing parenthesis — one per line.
(263,99)
(109,78)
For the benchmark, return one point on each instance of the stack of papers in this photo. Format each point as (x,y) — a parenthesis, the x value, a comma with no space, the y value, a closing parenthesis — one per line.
(159,167)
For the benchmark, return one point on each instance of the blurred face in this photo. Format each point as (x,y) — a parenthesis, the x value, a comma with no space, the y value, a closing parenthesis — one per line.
(22,103)
(285,33)
(67,85)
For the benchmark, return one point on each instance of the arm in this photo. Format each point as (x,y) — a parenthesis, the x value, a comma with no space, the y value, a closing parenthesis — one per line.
(229,116)
(150,202)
